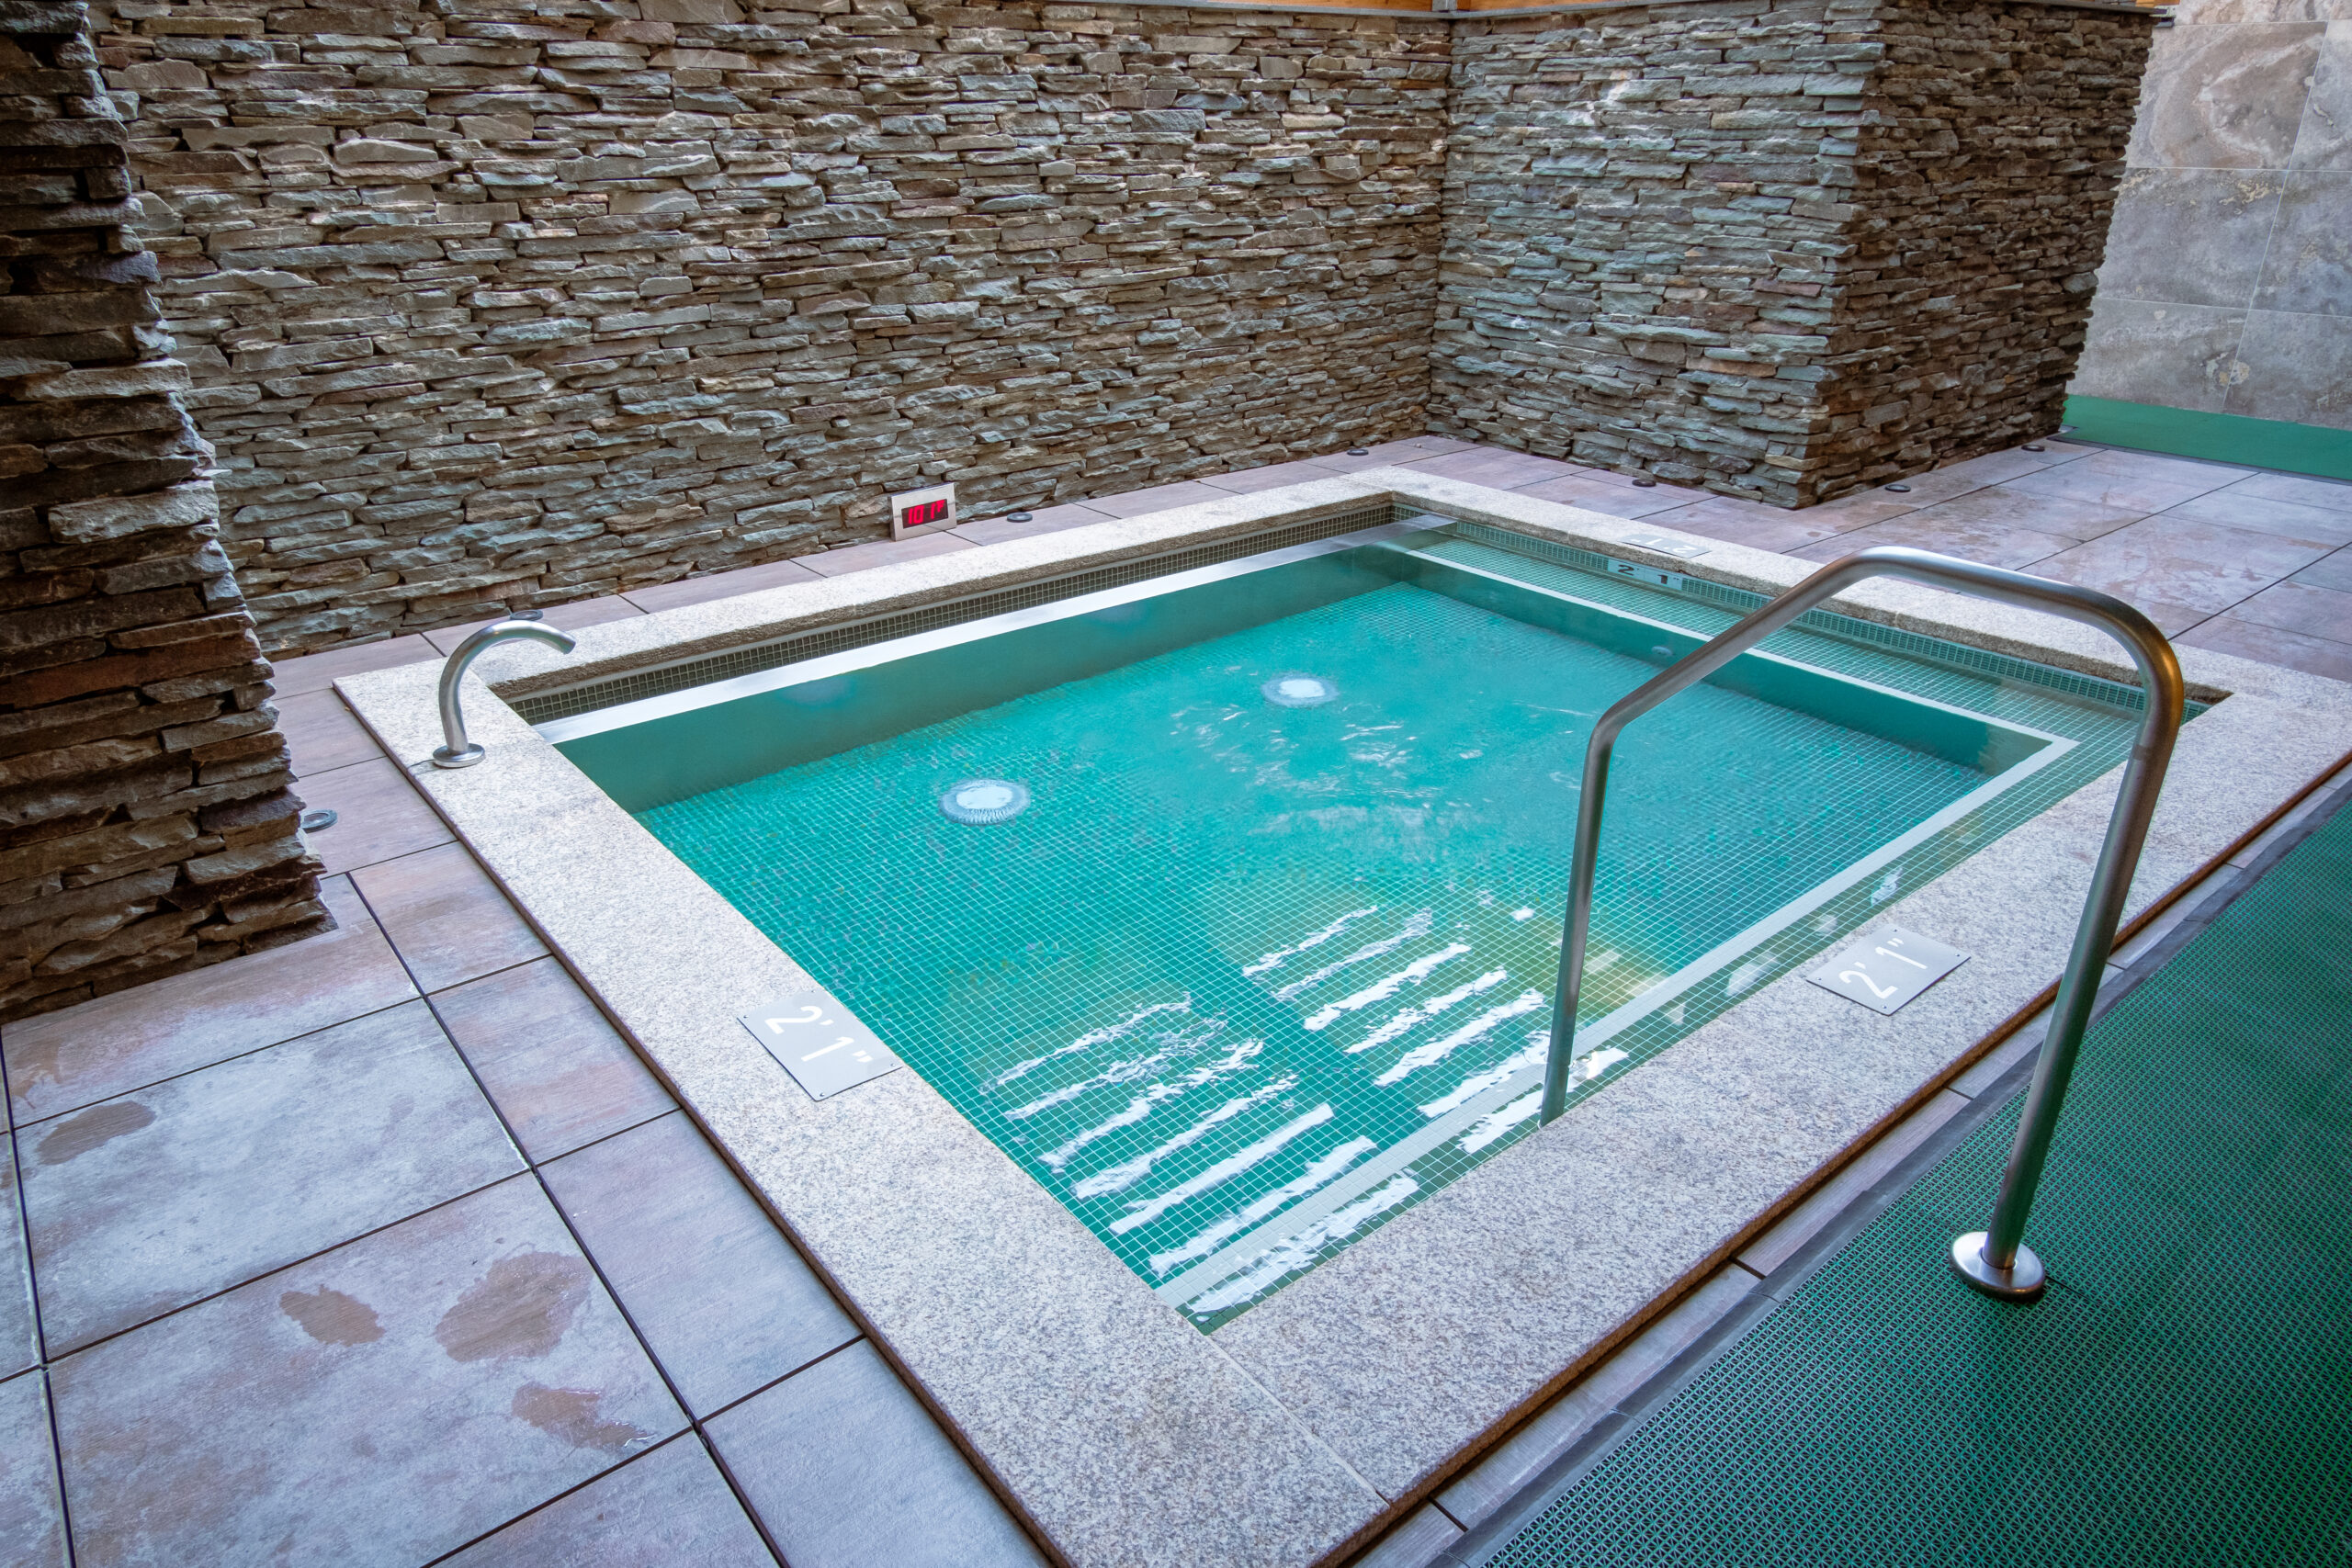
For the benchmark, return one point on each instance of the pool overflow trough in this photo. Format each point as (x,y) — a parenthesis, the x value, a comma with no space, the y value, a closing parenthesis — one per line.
(766,720)
(1996,1261)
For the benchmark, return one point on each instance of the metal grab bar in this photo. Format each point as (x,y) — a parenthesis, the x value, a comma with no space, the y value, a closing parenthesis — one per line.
(1995,1261)
(455,750)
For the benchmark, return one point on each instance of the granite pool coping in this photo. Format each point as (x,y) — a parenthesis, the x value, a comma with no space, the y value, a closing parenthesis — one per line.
(1122,1433)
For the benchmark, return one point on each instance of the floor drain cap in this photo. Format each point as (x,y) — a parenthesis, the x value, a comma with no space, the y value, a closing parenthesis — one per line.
(982,801)
(317,821)
(1299,691)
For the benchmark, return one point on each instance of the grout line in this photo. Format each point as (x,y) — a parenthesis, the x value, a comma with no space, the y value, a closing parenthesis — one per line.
(41,1337)
(469,1545)
(547,1194)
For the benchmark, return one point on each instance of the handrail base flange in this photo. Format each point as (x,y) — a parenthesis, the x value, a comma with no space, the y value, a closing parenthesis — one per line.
(2022,1281)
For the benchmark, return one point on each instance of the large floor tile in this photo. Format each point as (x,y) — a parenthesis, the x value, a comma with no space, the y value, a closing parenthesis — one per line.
(2295,606)
(723,1300)
(2239,507)
(2164,561)
(1157,497)
(1968,474)
(20,1343)
(665,1509)
(144,1203)
(1498,467)
(881,552)
(569,617)
(379,815)
(323,733)
(32,1516)
(1992,543)
(2134,493)
(848,1471)
(2331,570)
(718,585)
(118,1042)
(317,671)
(1273,476)
(1613,500)
(2008,506)
(372,1408)
(555,1068)
(1044,520)
(446,919)
(2250,639)
(1735,524)
(2328,495)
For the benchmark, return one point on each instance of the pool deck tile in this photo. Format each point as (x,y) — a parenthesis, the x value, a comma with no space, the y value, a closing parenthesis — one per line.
(1993,544)
(1274,476)
(2251,639)
(1616,500)
(718,585)
(321,733)
(1496,466)
(60,1061)
(379,816)
(2100,482)
(1044,520)
(317,671)
(1157,498)
(447,920)
(850,1472)
(563,617)
(32,1514)
(2006,506)
(144,1203)
(558,1072)
(722,1299)
(882,552)
(2237,506)
(2202,568)
(663,1509)
(19,1337)
(376,1406)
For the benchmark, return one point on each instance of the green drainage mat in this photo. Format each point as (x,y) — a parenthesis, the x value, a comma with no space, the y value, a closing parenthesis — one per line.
(1245,979)
(2184,1391)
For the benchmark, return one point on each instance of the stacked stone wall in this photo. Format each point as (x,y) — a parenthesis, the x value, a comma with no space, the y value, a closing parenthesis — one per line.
(492,304)
(1781,248)
(146,825)
(1644,224)
(1982,189)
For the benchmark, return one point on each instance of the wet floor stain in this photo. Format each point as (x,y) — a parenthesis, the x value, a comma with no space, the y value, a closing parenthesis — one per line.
(520,1309)
(331,1318)
(570,1414)
(78,1134)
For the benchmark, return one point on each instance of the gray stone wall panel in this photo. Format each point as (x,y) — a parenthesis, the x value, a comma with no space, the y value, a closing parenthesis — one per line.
(493,306)
(146,821)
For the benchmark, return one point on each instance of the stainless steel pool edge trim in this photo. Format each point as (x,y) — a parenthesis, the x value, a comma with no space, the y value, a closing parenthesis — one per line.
(1399,1386)
(621,715)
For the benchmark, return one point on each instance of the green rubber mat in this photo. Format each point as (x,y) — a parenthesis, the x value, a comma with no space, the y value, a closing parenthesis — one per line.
(2183,1393)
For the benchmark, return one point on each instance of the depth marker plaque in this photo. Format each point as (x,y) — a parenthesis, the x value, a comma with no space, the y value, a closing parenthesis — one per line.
(820,1042)
(1888,969)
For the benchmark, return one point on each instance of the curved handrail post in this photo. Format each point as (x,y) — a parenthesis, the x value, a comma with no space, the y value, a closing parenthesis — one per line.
(1994,1260)
(455,750)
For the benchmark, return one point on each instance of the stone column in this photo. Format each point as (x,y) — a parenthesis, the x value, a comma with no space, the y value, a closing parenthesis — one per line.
(1779,248)
(146,821)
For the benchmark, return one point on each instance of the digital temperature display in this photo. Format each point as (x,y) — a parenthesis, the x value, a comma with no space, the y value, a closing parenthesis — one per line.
(922,511)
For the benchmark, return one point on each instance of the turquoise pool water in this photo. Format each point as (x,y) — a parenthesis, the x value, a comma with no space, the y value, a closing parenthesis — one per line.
(1244,979)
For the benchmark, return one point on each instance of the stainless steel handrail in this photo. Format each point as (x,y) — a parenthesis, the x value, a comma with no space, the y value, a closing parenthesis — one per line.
(455,750)
(1995,1261)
